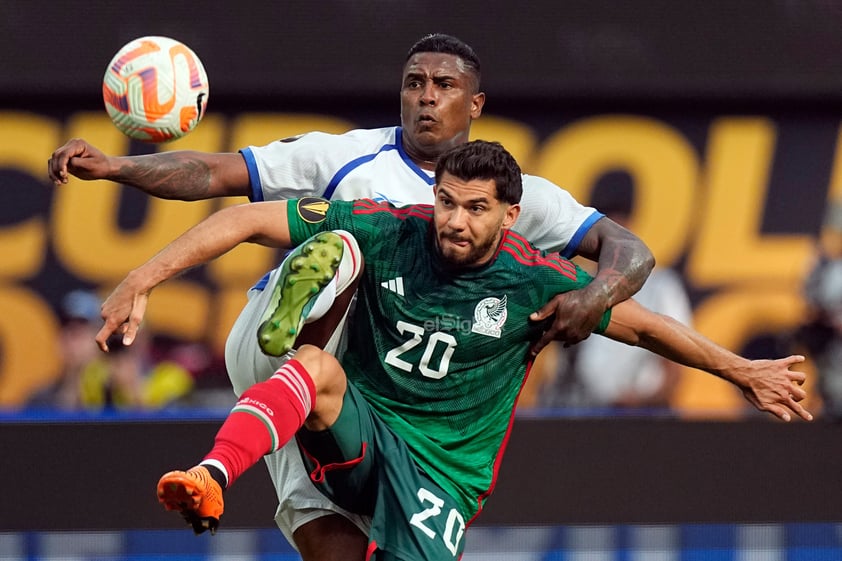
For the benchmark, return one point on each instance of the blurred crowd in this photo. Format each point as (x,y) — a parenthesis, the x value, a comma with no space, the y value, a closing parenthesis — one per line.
(820,336)
(154,373)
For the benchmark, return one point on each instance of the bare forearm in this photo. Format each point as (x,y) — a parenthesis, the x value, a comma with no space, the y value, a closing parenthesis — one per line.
(209,239)
(183,175)
(124,309)
(635,325)
(263,223)
(677,342)
(769,385)
(624,261)
(624,265)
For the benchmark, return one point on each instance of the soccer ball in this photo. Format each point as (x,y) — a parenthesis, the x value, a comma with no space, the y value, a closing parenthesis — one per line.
(155,89)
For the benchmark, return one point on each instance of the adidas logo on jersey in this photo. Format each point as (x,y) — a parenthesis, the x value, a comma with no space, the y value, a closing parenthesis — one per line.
(395,285)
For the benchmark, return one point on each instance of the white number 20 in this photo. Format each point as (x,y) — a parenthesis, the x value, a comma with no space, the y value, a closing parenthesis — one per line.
(417,333)
(454,527)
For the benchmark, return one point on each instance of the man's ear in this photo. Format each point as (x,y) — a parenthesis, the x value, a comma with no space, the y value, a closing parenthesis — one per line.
(511,216)
(477,103)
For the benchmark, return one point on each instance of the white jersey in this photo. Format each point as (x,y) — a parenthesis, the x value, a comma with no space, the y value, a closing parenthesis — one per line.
(372,164)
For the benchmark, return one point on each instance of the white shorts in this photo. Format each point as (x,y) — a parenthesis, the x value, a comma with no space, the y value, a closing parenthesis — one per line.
(299,501)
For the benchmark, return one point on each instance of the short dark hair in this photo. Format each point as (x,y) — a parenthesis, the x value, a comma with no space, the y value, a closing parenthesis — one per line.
(449,45)
(481,159)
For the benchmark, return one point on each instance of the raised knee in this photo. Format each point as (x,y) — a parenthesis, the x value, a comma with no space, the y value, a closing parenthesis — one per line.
(327,374)
(329,380)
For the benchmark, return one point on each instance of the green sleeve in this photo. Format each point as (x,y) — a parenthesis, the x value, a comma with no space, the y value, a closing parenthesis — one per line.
(603,324)
(583,278)
(310,215)
(368,221)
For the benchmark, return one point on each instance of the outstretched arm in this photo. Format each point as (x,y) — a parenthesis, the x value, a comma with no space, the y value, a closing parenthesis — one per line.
(182,175)
(264,223)
(624,265)
(769,385)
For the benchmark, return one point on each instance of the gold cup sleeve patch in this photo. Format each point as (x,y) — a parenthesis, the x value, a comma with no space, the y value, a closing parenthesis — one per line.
(312,209)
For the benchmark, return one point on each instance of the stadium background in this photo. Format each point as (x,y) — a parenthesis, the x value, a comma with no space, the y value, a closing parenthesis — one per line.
(722,117)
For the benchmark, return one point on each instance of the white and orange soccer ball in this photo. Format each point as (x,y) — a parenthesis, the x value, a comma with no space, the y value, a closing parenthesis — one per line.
(155,89)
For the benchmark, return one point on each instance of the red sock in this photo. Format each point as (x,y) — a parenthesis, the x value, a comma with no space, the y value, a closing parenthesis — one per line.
(267,415)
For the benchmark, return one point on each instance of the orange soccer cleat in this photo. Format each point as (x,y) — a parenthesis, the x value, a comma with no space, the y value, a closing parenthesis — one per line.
(195,494)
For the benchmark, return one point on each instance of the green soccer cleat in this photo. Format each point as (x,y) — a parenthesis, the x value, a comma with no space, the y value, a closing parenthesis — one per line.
(307,270)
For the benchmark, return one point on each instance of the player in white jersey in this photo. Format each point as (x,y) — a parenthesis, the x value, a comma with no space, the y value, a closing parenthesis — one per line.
(373,163)
(440,96)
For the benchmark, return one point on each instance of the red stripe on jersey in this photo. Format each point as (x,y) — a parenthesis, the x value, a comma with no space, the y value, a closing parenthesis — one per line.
(517,246)
(355,265)
(499,457)
(369,206)
(372,547)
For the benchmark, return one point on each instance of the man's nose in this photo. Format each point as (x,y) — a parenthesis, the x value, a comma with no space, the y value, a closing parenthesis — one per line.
(457,219)
(428,95)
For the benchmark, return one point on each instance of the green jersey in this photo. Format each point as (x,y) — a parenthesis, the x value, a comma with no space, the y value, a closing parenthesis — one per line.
(441,355)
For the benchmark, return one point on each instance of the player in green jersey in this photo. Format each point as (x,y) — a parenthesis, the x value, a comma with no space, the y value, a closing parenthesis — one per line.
(409,429)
